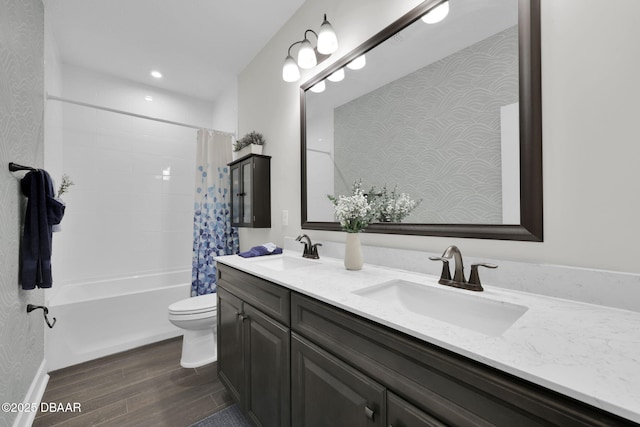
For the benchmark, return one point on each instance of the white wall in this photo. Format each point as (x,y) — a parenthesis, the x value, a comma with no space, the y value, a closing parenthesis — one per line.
(590,92)
(225,110)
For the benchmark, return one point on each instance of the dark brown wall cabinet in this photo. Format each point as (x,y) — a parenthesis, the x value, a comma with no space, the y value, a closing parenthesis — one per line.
(343,370)
(253,349)
(251,191)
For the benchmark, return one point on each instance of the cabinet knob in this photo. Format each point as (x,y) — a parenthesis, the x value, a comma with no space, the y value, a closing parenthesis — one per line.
(369,413)
(242,316)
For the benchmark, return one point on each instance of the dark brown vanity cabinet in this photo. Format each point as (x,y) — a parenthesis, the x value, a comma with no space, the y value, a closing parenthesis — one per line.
(430,386)
(251,191)
(291,360)
(253,347)
(326,392)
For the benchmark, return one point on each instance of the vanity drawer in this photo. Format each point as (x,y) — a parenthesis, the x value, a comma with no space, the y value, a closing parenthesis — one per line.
(450,387)
(271,299)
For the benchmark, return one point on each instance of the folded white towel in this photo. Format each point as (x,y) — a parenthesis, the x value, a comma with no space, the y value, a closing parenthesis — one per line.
(270,246)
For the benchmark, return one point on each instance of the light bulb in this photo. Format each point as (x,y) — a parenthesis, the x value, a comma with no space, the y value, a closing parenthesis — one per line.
(156,74)
(319,87)
(337,76)
(306,55)
(290,72)
(358,63)
(327,40)
(437,14)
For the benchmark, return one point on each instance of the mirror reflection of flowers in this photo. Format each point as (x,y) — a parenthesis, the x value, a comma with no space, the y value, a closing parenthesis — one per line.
(393,206)
(354,212)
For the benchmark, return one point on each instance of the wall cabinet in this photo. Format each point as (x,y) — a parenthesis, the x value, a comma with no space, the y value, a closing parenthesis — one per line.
(253,352)
(251,191)
(321,366)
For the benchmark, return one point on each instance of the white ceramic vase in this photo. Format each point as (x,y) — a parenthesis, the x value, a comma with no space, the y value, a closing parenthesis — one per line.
(353,252)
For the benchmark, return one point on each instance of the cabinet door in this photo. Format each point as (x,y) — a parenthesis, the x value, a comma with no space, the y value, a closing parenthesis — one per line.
(401,413)
(326,392)
(236,197)
(230,343)
(247,191)
(267,352)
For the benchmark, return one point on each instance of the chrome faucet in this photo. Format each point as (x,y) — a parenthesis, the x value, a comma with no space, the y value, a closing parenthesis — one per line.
(459,280)
(310,249)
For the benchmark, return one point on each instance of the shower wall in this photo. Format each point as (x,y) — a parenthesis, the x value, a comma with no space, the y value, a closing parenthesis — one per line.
(130,210)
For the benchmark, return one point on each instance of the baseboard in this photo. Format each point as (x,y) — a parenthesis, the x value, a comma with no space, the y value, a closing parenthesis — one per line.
(34,395)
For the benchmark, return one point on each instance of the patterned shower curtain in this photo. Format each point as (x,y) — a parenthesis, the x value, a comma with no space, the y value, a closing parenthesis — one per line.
(212,231)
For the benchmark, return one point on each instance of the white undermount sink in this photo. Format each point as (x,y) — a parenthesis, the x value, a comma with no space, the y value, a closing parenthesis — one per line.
(457,307)
(282,263)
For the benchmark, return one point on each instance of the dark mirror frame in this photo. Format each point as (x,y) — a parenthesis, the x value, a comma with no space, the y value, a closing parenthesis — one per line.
(531,212)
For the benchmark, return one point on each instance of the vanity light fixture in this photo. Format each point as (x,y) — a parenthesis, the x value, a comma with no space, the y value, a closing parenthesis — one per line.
(358,63)
(437,14)
(337,76)
(308,56)
(290,71)
(327,40)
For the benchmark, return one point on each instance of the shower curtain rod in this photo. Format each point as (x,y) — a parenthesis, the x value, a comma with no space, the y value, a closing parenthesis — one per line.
(140,116)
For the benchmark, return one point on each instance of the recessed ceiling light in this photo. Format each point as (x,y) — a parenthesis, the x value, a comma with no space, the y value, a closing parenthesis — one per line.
(148,98)
(157,74)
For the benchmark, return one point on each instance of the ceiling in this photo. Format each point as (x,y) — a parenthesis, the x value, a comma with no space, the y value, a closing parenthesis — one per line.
(199,46)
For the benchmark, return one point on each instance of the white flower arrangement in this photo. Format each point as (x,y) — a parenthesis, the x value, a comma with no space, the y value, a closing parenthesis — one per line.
(357,211)
(354,212)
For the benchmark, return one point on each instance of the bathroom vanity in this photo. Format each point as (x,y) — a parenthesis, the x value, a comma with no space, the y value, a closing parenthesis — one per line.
(306,343)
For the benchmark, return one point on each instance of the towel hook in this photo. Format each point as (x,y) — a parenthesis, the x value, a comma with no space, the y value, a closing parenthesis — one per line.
(31,307)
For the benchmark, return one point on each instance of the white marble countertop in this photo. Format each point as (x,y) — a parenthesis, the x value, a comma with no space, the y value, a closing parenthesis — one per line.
(586,351)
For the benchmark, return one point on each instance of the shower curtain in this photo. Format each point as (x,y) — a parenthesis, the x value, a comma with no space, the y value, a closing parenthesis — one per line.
(212,231)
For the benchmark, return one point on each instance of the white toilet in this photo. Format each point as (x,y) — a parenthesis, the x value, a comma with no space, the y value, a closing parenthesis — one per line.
(197,316)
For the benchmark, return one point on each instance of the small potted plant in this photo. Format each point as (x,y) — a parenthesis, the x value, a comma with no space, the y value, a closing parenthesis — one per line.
(251,143)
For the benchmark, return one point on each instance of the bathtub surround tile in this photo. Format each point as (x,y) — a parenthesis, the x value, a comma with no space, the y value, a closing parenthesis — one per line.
(151,389)
(124,217)
(607,288)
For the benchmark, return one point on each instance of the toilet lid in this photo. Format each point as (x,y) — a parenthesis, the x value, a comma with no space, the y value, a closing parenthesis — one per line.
(195,305)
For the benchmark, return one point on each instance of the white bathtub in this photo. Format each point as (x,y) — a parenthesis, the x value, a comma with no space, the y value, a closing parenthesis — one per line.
(99,318)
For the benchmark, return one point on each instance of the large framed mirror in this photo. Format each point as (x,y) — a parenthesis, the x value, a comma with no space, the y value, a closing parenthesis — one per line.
(448,114)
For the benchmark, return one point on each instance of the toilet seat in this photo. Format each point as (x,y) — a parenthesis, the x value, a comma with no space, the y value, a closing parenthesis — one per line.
(202,304)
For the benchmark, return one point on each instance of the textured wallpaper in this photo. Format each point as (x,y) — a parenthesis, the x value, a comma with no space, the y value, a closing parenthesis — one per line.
(21,141)
(435,133)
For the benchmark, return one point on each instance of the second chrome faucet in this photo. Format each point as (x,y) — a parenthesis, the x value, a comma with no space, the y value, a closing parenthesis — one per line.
(459,281)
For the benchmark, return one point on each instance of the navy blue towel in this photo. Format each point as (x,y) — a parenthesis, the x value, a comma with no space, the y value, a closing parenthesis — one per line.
(259,251)
(43,212)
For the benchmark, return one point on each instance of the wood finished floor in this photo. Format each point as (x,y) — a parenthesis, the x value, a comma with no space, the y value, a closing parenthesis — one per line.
(145,386)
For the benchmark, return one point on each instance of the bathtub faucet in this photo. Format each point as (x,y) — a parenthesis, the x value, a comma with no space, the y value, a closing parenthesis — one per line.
(45,310)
